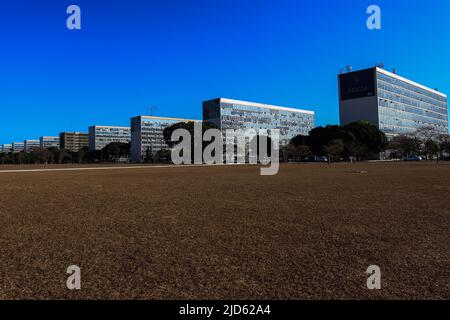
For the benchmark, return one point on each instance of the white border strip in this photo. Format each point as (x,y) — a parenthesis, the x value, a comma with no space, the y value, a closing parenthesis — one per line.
(393,75)
(166,118)
(265,106)
(109,127)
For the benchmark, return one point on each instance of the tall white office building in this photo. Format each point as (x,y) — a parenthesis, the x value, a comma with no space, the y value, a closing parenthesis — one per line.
(394,104)
(230,114)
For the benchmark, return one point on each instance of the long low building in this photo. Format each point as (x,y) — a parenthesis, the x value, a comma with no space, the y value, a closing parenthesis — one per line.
(18,147)
(31,144)
(101,136)
(48,142)
(73,141)
(147,134)
(244,115)
(7,148)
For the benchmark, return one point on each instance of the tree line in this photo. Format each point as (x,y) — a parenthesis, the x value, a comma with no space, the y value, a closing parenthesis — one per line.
(355,142)
(364,141)
(113,152)
(424,142)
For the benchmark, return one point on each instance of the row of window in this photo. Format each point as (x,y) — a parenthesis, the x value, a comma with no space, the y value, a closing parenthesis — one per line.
(387,92)
(401,108)
(426,95)
(151,134)
(388,118)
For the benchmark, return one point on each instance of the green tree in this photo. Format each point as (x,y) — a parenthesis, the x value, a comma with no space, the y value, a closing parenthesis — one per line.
(367,137)
(64,155)
(355,150)
(444,145)
(40,155)
(334,150)
(82,155)
(115,151)
(302,152)
(286,152)
(362,139)
(162,156)
(403,146)
(21,157)
(148,158)
(300,140)
(426,133)
(3,157)
(321,137)
(94,156)
(432,149)
(55,154)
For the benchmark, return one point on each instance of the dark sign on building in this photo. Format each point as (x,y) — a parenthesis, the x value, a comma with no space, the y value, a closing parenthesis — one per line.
(357,84)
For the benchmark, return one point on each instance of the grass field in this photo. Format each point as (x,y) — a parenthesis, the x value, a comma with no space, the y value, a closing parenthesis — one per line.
(227,232)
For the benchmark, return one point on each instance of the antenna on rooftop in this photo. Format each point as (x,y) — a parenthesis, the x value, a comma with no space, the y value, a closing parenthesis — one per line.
(394,71)
(349,68)
(380,65)
(151,109)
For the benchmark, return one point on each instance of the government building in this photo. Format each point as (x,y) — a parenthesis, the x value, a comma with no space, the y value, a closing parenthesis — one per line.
(101,136)
(73,141)
(31,144)
(394,104)
(49,142)
(18,147)
(229,114)
(147,135)
(7,148)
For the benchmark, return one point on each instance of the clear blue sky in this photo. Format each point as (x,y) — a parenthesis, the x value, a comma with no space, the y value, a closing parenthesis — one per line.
(176,53)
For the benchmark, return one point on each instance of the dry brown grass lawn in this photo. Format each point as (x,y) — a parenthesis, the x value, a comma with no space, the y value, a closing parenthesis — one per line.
(227,232)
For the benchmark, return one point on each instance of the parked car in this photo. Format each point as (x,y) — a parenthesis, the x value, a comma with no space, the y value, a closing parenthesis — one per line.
(321,159)
(413,158)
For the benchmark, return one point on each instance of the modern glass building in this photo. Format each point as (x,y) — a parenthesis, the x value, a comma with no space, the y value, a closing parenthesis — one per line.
(147,135)
(48,142)
(7,148)
(394,104)
(101,136)
(18,147)
(243,115)
(31,144)
(73,141)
